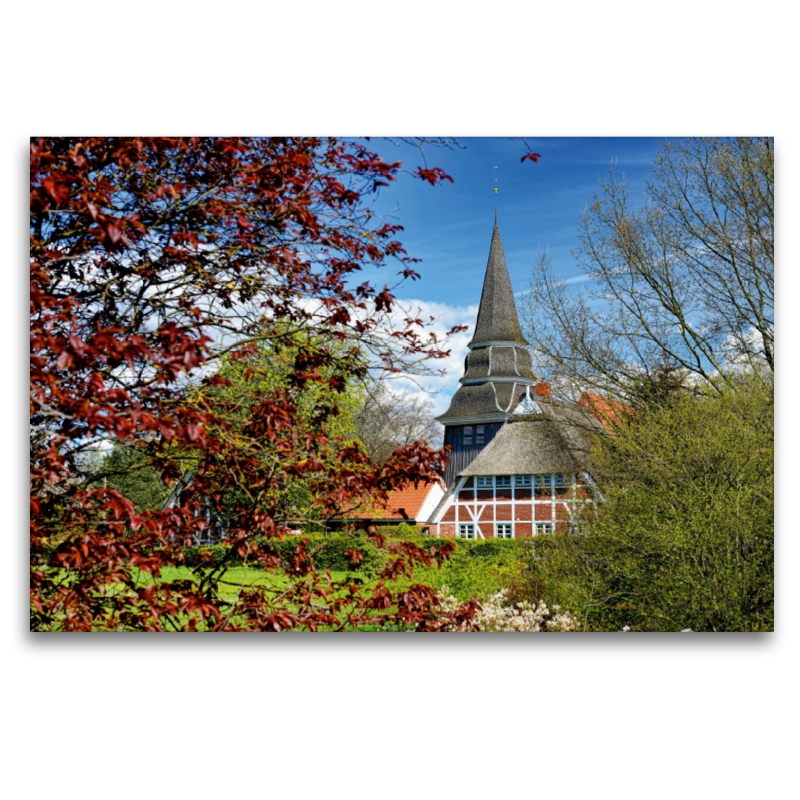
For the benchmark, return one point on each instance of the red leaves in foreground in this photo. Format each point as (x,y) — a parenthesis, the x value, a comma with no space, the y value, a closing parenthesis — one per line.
(532,156)
(149,256)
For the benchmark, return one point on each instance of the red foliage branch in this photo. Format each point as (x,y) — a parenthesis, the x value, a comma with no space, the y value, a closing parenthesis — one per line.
(151,258)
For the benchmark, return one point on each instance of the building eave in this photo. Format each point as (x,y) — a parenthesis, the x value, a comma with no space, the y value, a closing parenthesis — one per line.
(497,379)
(445,420)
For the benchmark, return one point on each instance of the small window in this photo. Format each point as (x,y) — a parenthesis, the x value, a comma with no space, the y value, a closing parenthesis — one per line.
(544,480)
(503,530)
(479,434)
(502,481)
(522,480)
(484,482)
(468,434)
(543,528)
(560,483)
(466,530)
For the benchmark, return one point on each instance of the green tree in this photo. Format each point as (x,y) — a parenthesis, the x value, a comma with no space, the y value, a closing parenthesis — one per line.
(686,537)
(129,469)
(325,410)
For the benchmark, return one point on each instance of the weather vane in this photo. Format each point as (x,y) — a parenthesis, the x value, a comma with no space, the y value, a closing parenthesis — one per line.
(495,191)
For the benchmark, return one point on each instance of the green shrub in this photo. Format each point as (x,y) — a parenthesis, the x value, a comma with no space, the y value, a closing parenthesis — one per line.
(686,539)
(478,568)
(326,553)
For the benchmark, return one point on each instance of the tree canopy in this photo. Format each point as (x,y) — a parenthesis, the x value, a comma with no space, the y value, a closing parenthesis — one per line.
(687,277)
(152,258)
(685,538)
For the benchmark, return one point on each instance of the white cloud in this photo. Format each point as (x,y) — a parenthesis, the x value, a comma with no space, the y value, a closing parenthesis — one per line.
(439,388)
(744,353)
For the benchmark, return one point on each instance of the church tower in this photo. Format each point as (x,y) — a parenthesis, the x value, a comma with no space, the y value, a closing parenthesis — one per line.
(498,373)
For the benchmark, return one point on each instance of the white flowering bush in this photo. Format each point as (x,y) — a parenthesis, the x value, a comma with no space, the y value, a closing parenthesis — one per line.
(497,615)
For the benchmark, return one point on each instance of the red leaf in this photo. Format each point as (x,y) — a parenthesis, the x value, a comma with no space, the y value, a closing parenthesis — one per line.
(532,156)
(194,432)
(58,191)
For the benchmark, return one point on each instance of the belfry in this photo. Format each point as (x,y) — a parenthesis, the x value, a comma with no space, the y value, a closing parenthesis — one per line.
(519,459)
(498,374)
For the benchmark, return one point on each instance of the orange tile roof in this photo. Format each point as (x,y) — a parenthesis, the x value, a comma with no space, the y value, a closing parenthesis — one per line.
(607,411)
(403,503)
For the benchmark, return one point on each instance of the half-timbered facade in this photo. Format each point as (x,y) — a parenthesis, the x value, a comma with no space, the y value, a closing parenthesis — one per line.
(519,458)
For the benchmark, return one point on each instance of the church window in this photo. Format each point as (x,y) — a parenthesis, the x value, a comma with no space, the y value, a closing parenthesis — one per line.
(466,530)
(503,530)
(484,482)
(468,434)
(503,481)
(522,480)
(479,434)
(543,528)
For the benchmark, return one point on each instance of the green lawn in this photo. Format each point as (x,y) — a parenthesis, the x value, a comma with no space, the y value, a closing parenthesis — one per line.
(237,578)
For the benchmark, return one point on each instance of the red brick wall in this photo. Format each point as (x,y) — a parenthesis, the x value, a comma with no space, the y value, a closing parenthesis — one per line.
(522,529)
(487,529)
(523,511)
(447,531)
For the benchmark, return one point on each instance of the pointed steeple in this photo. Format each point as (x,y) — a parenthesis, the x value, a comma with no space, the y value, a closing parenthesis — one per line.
(497,315)
(498,366)
(498,372)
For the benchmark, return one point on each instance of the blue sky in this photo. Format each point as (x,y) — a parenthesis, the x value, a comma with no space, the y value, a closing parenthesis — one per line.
(449,226)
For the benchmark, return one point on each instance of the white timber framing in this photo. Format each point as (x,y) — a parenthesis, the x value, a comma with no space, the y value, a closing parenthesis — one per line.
(470,509)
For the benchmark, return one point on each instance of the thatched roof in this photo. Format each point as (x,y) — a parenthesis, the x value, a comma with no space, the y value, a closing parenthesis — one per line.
(558,439)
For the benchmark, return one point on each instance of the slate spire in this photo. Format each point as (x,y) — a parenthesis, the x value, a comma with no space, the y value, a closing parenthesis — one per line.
(498,372)
(497,314)
(498,369)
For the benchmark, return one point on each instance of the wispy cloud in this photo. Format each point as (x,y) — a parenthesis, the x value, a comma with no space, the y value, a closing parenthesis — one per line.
(576,279)
(440,388)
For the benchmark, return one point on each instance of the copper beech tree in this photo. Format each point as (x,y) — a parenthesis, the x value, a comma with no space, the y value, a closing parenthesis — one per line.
(150,259)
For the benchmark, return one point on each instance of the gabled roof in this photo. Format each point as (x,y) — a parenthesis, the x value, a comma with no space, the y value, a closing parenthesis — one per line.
(409,502)
(558,439)
(497,315)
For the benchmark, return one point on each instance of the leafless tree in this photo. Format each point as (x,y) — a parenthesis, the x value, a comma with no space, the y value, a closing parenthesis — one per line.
(389,418)
(688,278)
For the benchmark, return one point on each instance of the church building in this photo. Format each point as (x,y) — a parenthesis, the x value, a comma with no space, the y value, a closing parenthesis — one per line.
(518,457)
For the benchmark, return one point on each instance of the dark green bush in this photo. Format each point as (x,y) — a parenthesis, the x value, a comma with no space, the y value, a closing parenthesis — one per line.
(326,553)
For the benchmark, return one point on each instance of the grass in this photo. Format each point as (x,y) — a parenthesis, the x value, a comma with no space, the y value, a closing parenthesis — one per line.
(237,578)
(472,571)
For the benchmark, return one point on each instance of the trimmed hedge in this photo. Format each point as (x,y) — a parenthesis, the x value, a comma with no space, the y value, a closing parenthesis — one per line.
(326,553)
